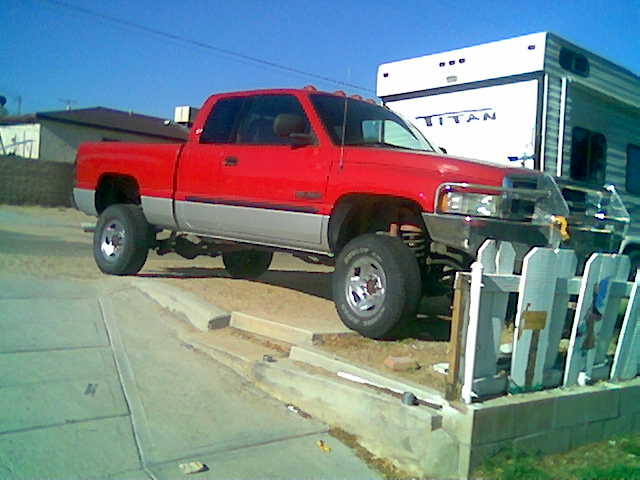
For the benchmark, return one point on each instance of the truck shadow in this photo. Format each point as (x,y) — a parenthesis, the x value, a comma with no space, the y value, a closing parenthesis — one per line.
(431,324)
(317,284)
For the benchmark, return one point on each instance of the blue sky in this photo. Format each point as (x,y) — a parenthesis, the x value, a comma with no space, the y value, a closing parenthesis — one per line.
(50,52)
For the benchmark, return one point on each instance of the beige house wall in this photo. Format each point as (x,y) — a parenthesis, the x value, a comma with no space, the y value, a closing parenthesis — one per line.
(59,141)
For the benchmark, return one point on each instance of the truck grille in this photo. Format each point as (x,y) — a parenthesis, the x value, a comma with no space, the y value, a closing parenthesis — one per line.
(518,208)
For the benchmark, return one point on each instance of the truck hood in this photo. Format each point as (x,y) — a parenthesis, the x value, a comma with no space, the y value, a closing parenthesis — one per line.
(449,168)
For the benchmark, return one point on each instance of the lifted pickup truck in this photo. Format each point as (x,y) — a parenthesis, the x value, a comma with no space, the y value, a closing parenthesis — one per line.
(330,178)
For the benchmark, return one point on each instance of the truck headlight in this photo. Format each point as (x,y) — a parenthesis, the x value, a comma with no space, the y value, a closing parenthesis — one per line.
(473,204)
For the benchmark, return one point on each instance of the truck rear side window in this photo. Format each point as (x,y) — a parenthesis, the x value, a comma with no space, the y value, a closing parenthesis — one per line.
(633,169)
(257,121)
(588,156)
(220,125)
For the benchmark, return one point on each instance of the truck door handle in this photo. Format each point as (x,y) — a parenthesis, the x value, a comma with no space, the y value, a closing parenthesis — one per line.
(230,162)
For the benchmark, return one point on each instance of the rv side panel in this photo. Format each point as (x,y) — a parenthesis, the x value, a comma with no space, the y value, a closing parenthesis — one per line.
(496,123)
(591,70)
(554,94)
(602,112)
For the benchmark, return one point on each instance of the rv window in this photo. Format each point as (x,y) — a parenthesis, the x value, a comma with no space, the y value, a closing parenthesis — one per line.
(633,169)
(588,156)
(574,62)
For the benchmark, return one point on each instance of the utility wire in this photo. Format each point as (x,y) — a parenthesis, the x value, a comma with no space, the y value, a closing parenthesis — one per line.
(206,46)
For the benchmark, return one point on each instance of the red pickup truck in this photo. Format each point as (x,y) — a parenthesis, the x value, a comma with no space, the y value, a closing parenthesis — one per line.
(330,178)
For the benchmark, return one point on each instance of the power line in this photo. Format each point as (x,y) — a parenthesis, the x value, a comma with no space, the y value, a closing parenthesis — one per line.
(204,45)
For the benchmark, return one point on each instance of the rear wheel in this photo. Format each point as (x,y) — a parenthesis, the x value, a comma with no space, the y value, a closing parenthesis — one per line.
(121,240)
(247,264)
(376,284)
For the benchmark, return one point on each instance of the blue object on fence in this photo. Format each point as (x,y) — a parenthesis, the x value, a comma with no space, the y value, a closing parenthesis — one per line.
(600,295)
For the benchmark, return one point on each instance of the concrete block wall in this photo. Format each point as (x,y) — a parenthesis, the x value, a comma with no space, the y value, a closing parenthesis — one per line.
(546,422)
(35,182)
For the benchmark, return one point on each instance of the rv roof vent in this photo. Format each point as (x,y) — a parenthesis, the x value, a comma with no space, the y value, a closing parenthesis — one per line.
(574,62)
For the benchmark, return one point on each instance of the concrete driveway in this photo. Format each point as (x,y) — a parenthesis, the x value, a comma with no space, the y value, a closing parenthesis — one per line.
(94,384)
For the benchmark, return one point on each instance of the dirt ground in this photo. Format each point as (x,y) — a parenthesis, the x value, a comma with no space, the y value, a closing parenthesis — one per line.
(48,242)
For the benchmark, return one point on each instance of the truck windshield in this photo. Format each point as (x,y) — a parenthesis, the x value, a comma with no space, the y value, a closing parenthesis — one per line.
(367,124)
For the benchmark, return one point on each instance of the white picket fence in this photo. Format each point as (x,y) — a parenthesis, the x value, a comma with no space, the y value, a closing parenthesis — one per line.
(545,289)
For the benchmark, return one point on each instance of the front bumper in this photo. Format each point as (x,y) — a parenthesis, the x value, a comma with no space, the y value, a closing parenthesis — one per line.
(467,234)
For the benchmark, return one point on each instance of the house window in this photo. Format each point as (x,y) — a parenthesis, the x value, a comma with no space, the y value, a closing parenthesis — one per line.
(574,62)
(633,169)
(588,156)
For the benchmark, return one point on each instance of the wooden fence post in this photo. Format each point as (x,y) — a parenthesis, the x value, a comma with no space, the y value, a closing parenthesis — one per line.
(542,305)
(471,343)
(601,270)
(459,323)
(487,309)
(626,361)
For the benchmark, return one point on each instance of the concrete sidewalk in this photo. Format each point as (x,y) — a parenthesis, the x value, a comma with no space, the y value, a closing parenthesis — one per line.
(93,383)
(279,357)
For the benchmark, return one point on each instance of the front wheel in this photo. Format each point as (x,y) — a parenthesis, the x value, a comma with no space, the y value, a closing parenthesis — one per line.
(247,264)
(121,240)
(376,284)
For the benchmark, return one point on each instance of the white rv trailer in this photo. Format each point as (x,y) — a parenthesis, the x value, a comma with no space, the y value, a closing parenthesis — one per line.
(536,101)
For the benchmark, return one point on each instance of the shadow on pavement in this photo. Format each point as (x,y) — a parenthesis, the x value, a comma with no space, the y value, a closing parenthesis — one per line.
(317,284)
(40,245)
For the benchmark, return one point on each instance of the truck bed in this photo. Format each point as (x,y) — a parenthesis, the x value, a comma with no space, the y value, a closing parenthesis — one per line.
(151,165)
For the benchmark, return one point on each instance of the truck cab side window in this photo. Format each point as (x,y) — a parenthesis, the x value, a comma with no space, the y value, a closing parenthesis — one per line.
(633,169)
(220,125)
(588,156)
(256,124)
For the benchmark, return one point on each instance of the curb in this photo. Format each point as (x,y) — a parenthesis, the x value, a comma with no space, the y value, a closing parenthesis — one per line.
(335,364)
(202,315)
(280,331)
(412,435)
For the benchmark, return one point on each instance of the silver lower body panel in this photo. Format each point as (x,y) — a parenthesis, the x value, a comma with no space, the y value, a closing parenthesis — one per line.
(277,228)
(85,200)
(159,212)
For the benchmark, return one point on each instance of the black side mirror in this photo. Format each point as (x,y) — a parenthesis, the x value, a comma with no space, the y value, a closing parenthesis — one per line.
(287,125)
(443,150)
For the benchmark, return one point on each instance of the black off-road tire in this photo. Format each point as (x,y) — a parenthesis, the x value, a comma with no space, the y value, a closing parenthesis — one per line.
(247,264)
(392,270)
(121,240)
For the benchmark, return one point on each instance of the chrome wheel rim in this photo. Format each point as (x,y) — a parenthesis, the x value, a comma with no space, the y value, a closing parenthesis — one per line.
(112,240)
(366,287)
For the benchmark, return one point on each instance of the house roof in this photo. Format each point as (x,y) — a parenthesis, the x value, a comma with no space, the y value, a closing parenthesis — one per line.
(107,118)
